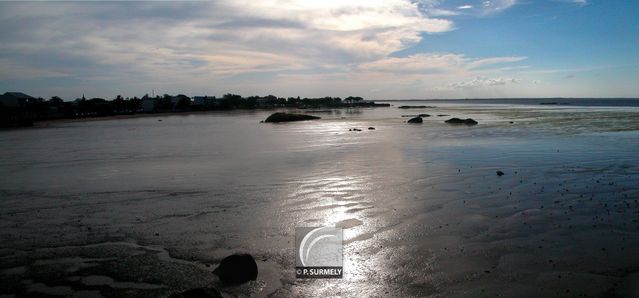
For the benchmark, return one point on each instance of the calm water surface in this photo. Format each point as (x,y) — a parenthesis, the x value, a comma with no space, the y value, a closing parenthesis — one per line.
(143,207)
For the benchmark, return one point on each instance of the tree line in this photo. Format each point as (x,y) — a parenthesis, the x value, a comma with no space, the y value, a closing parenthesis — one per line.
(32,109)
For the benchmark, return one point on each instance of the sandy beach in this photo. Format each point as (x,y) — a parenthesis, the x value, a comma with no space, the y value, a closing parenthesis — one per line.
(133,206)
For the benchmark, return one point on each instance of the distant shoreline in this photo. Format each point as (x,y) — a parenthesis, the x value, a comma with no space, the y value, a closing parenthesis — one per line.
(511,98)
(49,122)
(552,101)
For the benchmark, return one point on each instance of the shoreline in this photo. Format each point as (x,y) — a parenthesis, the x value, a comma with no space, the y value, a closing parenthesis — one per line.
(50,122)
(47,123)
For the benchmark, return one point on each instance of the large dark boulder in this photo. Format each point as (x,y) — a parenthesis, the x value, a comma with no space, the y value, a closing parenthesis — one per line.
(286,117)
(237,269)
(461,121)
(416,120)
(198,293)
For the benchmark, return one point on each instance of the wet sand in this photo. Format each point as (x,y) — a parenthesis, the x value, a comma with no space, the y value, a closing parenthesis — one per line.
(143,208)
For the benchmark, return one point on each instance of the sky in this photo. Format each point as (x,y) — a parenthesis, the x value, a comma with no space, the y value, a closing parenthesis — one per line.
(377,49)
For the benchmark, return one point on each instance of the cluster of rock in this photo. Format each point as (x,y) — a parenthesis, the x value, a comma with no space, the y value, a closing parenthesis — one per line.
(467,121)
(288,117)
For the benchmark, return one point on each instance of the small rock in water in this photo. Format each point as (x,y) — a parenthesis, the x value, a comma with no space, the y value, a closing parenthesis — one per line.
(467,121)
(356,129)
(416,120)
(237,269)
(198,293)
(371,128)
(423,115)
(500,173)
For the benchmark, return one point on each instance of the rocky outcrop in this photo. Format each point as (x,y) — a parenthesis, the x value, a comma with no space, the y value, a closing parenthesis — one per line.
(416,120)
(286,117)
(462,121)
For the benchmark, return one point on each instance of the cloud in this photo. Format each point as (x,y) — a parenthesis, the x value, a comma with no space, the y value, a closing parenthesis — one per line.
(483,7)
(248,46)
(435,63)
(578,2)
(480,82)
(228,37)
(26,72)
(435,12)
(494,6)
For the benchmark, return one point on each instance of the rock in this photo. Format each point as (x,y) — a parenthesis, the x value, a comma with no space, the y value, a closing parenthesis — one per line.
(356,129)
(237,269)
(286,117)
(371,128)
(416,120)
(423,115)
(198,293)
(441,115)
(461,121)
(411,107)
(500,173)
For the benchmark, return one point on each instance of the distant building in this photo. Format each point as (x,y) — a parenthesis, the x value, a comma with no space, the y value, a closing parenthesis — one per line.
(15,99)
(177,98)
(148,104)
(206,102)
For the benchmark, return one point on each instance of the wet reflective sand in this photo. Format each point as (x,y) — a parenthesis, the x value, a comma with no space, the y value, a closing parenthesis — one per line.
(139,207)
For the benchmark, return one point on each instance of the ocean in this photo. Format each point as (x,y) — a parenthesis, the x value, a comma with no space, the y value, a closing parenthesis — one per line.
(149,206)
